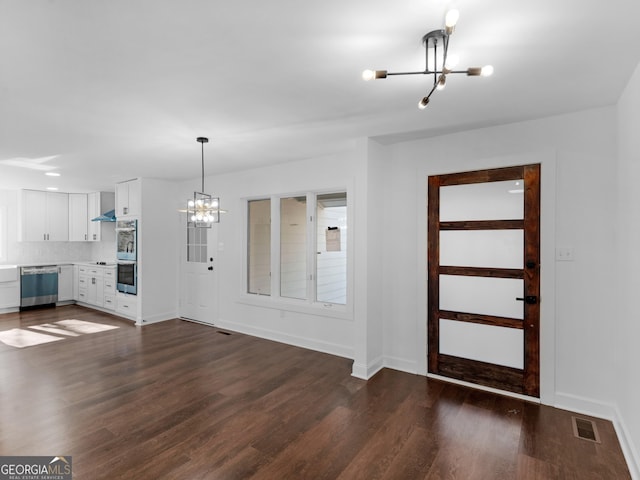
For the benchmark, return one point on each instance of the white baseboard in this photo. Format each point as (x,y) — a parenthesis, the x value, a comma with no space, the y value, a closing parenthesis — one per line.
(159,317)
(401,364)
(298,341)
(610,412)
(365,372)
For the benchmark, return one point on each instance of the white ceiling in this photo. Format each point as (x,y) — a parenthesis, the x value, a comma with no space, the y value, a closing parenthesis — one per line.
(118,89)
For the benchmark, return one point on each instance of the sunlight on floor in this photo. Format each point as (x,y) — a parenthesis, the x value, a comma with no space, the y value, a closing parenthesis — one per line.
(26,337)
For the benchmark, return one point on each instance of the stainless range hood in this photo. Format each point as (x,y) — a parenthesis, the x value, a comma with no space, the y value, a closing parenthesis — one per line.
(109,216)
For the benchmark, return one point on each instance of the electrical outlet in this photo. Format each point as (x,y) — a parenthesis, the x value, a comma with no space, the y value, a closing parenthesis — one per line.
(564,254)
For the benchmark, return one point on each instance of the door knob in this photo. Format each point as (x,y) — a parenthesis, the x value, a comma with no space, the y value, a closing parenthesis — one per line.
(210,268)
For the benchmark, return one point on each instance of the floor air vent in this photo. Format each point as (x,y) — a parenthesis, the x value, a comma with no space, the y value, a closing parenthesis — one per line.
(585,429)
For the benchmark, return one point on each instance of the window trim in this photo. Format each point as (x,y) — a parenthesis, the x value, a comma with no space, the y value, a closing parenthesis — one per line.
(309,305)
(4,233)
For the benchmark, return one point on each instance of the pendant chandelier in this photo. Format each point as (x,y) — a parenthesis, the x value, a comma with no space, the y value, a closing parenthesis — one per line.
(203,210)
(439,67)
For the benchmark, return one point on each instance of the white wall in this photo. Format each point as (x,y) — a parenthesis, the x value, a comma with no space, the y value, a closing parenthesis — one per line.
(625,320)
(589,345)
(260,316)
(158,234)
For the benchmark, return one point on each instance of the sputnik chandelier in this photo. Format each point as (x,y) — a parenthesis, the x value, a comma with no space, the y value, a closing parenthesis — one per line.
(442,66)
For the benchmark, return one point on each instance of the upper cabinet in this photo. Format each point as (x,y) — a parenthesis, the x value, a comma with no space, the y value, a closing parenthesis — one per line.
(78,217)
(99,203)
(45,216)
(62,217)
(128,198)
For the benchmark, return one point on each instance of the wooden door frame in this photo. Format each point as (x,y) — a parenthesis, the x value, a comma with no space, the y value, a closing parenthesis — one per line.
(524,381)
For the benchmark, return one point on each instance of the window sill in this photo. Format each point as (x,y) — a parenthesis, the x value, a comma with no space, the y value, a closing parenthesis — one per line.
(300,306)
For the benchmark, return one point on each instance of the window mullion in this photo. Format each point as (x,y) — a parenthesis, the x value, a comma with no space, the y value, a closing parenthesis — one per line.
(275,247)
(311,247)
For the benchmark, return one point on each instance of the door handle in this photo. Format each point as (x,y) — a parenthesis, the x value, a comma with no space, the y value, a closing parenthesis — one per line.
(209,268)
(529,299)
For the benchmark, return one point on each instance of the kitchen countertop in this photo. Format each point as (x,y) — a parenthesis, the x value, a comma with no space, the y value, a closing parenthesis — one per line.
(55,264)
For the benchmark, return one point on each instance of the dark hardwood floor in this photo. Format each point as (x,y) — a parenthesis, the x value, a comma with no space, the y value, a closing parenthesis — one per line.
(178,400)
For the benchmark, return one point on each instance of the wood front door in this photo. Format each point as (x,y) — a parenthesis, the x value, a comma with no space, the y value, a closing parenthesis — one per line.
(484,277)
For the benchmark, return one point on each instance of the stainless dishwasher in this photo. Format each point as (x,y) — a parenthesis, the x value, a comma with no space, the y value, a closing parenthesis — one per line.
(38,286)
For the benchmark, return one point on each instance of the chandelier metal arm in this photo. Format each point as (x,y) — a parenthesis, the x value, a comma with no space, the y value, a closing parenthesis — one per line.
(427,72)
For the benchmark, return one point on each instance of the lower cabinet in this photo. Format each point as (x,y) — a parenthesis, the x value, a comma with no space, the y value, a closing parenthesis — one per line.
(127,305)
(65,283)
(109,293)
(96,286)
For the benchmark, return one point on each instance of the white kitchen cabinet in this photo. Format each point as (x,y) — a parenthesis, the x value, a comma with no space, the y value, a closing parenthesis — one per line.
(127,305)
(128,198)
(93,208)
(93,201)
(9,287)
(98,204)
(65,283)
(78,217)
(109,288)
(91,285)
(96,285)
(44,216)
(75,283)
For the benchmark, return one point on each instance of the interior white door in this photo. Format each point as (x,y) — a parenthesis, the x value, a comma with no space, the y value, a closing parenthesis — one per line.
(199,275)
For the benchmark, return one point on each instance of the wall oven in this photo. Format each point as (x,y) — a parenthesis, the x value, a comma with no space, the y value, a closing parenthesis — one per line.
(126,240)
(127,277)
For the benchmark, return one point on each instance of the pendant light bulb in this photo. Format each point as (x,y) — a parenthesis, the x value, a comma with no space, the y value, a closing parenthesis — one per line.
(442,82)
(422,104)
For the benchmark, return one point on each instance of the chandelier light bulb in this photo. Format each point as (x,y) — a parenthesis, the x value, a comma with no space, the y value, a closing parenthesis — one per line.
(442,82)
(373,74)
(422,104)
(450,21)
(486,71)
(452,61)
